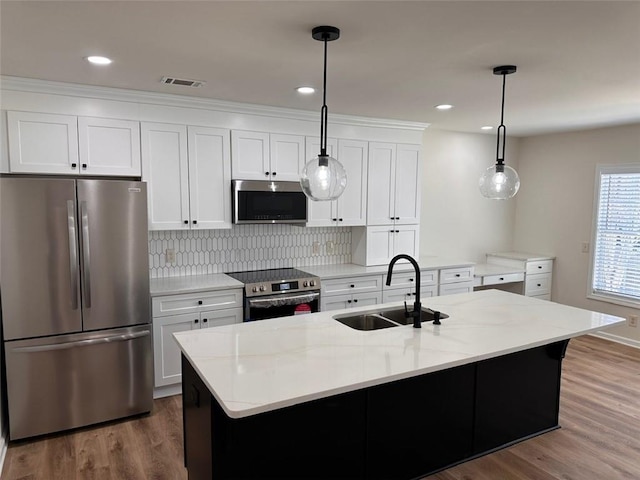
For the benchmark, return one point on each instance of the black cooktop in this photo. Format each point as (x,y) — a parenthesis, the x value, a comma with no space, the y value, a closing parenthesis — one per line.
(271,275)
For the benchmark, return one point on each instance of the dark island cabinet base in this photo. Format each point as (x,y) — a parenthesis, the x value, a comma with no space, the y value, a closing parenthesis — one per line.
(399,430)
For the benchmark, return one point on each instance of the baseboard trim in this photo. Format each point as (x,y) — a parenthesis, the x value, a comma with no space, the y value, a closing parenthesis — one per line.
(617,338)
(168,391)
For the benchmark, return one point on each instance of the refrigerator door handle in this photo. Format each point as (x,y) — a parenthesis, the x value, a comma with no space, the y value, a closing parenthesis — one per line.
(82,343)
(73,253)
(86,255)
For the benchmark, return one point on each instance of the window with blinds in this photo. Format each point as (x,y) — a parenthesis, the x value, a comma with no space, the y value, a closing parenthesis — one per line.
(616,254)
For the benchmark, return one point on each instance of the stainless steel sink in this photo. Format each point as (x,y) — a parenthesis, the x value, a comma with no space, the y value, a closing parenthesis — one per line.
(378,319)
(365,321)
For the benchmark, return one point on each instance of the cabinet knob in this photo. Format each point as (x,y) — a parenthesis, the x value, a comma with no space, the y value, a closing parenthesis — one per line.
(501,278)
(539,285)
(204,320)
(266,174)
(457,274)
(397,231)
(84,165)
(355,300)
(199,302)
(186,222)
(196,321)
(340,219)
(539,266)
(273,174)
(348,301)
(411,279)
(391,218)
(74,165)
(352,286)
(397,218)
(195,222)
(334,219)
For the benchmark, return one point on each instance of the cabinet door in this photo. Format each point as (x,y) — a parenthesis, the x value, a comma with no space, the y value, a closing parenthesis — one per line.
(406,240)
(209,177)
(366,299)
(321,214)
(335,302)
(217,318)
(287,157)
(250,155)
(166,353)
(352,204)
(381,181)
(407,185)
(165,169)
(109,146)
(42,143)
(397,295)
(379,245)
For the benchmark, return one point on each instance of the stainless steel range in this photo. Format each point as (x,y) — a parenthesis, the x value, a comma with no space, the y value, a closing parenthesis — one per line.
(278,292)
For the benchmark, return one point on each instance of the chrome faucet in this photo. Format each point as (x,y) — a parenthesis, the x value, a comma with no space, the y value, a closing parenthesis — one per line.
(417,306)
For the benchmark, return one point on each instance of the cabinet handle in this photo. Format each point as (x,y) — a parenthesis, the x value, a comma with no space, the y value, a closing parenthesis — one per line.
(501,278)
(266,174)
(195,222)
(352,286)
(84,165)
(199,302)
(411,279)
(397,218)
(408,294)
(186,222)
(397,231)
(355,300)
(348,301)
(196,321)
(413,294)
(273,174)
(457,274)
(74,165)
(539,285)
(539,266)
(340,219)
(334,219)
(391,231)
(391,218)
(204,320)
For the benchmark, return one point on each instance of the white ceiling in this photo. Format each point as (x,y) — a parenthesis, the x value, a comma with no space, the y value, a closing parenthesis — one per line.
(578,62)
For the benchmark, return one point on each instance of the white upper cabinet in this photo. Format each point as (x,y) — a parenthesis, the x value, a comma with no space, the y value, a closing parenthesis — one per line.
(188,170)
(264,156)
(109,146)
(394,184)
(66,144)
(377,245)
(43,143)
(350,209)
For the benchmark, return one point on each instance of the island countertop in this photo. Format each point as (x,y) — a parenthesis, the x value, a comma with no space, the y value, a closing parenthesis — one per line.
(265,365)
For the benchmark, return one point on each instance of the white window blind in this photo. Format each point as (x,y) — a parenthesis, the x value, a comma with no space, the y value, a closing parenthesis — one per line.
(616,261)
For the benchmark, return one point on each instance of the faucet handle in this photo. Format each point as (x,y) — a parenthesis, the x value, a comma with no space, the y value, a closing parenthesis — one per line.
(436,317)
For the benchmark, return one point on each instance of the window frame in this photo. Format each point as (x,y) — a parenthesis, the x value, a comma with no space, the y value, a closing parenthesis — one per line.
(591,294)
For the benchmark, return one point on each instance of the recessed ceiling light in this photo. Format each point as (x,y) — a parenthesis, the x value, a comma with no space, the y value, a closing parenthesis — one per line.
(97,60)
(305,90)
(444,106)
(486,127)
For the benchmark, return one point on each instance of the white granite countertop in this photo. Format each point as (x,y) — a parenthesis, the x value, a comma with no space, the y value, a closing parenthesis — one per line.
(192,284)
(353,270)
(270,364)
(524,256)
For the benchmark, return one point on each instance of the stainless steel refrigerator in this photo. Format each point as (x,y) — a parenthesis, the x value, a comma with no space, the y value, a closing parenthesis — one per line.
(74,285)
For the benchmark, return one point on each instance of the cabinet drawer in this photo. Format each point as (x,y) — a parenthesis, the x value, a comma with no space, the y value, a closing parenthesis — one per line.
(217,318)
(340,302)
(460,287)
(498,279)
(403,294)
(196,302)
(452,275)
(340,286)
(537,284)
(542,266)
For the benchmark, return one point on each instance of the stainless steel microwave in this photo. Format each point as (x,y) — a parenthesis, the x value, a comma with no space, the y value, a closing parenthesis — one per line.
(262,201)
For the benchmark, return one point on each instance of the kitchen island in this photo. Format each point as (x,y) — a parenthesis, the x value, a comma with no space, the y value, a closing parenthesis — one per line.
(308,397)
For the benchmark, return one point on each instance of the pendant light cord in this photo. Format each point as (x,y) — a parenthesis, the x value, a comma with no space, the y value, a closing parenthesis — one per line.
(324,109)
(501,128)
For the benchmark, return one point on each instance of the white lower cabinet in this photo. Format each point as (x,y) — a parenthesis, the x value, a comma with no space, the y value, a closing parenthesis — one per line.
(339,293)
(538,269)
(178,313)
(403,286)
(456,280)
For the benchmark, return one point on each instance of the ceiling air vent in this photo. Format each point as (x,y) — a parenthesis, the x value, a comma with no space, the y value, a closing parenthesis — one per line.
(182,81)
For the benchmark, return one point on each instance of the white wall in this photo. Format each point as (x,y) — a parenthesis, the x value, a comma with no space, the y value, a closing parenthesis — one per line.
(456,220)
(554,207)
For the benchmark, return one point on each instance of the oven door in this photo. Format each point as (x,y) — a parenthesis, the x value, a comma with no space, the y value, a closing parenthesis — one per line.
(272,306)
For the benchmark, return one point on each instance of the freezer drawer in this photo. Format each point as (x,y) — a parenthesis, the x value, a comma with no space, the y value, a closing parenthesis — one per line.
(58,383)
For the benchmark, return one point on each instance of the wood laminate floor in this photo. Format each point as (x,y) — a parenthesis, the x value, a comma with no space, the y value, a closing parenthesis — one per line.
(599,438)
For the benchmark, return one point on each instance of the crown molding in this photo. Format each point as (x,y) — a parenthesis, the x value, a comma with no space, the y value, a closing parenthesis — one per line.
(21,84)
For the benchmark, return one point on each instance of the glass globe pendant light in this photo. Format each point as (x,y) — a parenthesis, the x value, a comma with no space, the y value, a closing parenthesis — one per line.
(500,181)
(323,178)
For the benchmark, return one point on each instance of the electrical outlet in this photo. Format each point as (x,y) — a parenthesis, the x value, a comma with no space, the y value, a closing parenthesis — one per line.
(315,248)
(632,320)
(170,255)
(330,247)
(585,247)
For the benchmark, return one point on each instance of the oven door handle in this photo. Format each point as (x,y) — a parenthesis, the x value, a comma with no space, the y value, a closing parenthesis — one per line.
(279,300)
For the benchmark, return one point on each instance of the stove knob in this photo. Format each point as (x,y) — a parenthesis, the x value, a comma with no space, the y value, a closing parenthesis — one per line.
(262,288)
(305,284)
(254,289)
(312,283)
